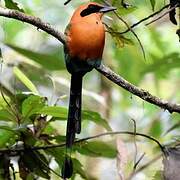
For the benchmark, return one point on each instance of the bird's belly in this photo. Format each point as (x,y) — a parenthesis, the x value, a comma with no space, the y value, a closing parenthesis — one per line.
(88,42)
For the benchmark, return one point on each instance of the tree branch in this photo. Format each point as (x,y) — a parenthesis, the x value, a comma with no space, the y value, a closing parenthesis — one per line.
(112,76)
(33,21)
(143,94)
(36,148)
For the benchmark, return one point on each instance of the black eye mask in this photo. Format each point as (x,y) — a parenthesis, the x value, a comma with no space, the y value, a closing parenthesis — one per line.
(90,9)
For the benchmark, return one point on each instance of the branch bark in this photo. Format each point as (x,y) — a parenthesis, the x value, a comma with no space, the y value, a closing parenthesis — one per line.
(143,94)
(36,148)
(108,73)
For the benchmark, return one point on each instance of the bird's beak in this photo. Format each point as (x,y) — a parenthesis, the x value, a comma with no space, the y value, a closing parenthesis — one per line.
(105,9)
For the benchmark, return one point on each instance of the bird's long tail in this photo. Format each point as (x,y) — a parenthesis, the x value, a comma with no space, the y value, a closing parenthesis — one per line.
(74,121)
(74,114)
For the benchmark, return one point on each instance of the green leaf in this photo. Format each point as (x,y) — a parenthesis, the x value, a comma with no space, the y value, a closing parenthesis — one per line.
(78,168)
(153,2)
(158,175)
(55,111)
(125,11)
(58,154)
(96,118)
(32,105)
(4,100)
(50,62)
(12,5)
(7,136)
(96,149)
(6,115)
(61,113)
(8,128)
(25,80)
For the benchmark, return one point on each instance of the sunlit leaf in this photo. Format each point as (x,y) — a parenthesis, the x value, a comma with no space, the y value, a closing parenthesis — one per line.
(3,101)
(32,105)
(6,115)
(48,61)
(25,80)
(7,137)
(12,5)
(55,111)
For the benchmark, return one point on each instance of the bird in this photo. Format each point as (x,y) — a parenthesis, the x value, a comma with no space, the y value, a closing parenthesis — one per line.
(83,51)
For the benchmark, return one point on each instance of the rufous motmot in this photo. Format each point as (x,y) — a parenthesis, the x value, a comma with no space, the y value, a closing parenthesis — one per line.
(83,51)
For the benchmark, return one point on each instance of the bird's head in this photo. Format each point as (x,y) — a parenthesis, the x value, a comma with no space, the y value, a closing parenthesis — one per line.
(92,8)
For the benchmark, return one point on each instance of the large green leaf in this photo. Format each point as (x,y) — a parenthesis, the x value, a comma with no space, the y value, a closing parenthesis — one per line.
(7,136)
(61,113)
(96,149)
(48,61)
(25,80)
(96,118)
(6,115)
(55,111)
(32,105)
(12,5)
(78,168)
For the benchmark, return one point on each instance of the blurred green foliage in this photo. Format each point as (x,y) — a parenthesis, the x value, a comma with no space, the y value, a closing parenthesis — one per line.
(35,109)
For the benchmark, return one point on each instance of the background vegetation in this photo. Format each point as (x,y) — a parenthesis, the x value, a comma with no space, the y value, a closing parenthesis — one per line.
(35,91)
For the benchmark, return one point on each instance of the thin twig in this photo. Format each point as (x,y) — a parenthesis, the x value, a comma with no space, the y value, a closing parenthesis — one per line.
(138,161)
(167,12)
(144,166)
(135,145)
(144,19)
(136,36)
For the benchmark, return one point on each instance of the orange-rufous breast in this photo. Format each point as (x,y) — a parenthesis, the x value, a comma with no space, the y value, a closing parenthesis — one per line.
(86,36)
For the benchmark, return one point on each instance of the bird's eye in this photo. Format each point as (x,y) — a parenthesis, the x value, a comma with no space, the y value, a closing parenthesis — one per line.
(91,6)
